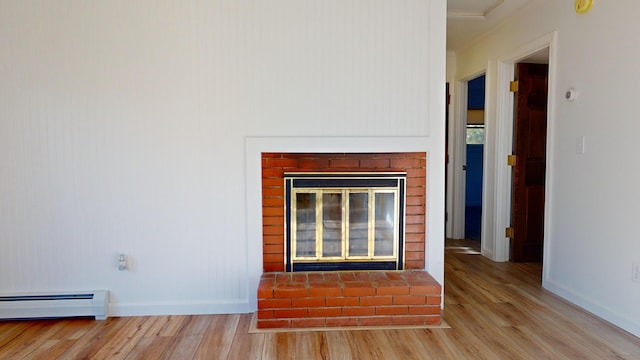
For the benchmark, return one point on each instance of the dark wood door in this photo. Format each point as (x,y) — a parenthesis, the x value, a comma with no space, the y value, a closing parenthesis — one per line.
(530,139)
(447,101)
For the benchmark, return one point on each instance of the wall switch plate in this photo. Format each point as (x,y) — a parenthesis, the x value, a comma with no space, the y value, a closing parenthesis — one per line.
(580,144)
(635,272)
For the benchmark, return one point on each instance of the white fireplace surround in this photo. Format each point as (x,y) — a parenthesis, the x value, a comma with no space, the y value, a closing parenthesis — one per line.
(255,146)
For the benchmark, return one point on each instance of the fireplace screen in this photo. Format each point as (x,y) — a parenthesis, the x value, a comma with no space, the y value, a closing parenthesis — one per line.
(344,221)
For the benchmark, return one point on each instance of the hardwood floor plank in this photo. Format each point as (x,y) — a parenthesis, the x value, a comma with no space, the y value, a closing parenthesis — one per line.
(392,344)
(506,314)
(279,346)
(311,345)
(166,326)
(472,335)
(516,346)
(183,347)
(125,340)
(457,347)
(245,345)
(495,310)
(336,346)
(9,330)
(426,344)
(74,329)
(60,341)
(52,349)
(453,294)
(187,339)
(395,345)
(30,346)
(100,334)
(593,327)
(218,337)
(23,338)
(149,348)
(552,348)
(363,345)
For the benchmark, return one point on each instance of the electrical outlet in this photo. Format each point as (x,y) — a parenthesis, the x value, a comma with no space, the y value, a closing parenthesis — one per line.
(635,272)
(122,262)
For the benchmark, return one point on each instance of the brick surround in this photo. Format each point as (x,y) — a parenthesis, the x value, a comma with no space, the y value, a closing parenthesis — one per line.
(275,164)
(345,298)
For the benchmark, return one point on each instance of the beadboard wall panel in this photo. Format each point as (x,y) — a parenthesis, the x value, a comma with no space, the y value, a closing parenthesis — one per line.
(123,126)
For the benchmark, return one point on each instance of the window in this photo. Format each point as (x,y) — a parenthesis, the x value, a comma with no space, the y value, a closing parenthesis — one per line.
(475,134)
(329,224)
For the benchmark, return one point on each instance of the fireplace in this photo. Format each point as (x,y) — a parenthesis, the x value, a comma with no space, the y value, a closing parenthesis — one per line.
(344,221)
(344,241)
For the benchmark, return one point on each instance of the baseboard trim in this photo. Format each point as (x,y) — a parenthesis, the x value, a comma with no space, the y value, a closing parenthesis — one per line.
(185,308)
(592,306)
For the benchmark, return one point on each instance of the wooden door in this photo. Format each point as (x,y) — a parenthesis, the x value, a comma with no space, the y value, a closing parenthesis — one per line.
(447,101)
(530,139)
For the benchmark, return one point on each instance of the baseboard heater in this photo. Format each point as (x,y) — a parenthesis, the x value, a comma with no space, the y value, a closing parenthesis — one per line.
(55,305)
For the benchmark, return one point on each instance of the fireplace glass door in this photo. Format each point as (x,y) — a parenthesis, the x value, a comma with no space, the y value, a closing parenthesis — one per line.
(340,224)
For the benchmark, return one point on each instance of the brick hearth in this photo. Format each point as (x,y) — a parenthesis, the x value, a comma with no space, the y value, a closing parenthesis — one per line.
(348,298)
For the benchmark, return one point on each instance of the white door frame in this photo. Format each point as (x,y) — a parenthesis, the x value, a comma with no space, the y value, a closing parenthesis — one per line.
(460,155)
(459,159)
(504,141)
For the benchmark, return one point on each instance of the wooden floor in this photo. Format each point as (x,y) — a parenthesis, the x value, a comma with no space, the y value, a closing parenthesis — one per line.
(496,311)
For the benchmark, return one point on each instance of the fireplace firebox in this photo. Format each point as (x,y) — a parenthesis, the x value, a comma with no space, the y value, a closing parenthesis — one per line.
(344,221)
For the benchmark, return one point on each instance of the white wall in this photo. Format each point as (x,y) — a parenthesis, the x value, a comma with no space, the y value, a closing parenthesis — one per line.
(593,199)
(130,126)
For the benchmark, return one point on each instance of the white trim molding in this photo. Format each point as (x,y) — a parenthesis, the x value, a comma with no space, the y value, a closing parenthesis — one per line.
(504,139)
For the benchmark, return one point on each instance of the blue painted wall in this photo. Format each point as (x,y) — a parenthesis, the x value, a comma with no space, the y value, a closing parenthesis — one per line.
(473,196)
(475,99)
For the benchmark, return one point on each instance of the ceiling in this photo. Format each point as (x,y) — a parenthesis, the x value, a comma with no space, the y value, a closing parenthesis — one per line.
(470,19)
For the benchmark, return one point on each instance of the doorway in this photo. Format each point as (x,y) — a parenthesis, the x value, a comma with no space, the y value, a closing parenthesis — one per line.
(541,50)
(474,141)
(497,180)
(528,161)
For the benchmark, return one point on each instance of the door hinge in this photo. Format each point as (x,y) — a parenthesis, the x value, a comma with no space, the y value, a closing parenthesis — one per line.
(513,86)
(509,232)
(512,160)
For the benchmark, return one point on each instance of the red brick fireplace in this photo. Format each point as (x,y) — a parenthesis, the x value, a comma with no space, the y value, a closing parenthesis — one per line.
(345,298)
